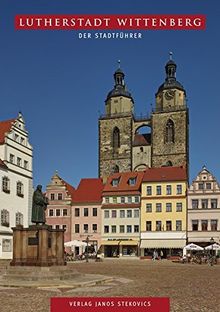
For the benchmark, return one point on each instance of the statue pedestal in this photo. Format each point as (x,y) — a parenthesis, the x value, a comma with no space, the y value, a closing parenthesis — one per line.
(37,245)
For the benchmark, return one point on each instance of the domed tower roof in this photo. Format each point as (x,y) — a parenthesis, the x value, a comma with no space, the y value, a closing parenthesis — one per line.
(119,87)
(170,81)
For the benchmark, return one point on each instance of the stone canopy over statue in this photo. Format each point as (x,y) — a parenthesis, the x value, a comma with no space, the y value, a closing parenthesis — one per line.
(39,206)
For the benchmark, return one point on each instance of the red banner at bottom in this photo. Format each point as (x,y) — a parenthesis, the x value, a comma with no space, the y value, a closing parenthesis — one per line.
(110,304)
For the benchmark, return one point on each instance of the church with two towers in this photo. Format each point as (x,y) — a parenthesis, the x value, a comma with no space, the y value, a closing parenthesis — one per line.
(123,146)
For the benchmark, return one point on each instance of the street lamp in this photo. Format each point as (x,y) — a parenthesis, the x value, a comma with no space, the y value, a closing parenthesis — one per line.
(87,251)
(212,242)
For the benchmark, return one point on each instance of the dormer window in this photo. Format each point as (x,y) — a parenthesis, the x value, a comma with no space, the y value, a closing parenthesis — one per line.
(115,182)
(132,181)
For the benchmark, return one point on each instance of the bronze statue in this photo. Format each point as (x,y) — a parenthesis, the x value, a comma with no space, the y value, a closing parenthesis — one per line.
(39,206)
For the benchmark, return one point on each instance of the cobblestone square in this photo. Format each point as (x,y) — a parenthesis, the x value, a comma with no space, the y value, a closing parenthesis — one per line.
(189,287)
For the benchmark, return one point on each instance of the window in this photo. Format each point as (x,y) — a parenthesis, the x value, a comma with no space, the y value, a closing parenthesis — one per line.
(179,189)
(168,207)
(137,199)
(195,203)
(50,212)
(115,169)
(136,213)
(129,199)
(129,229)
(11,158)
(16,137)
(178,225)
(94,212)
(57,227)
(122,213)
(208,186)
(158,189)
(6,185)
(169,132)
(86,212)
(179,207)
(214,203)
(168,225)
(85,228)
(214,225)
(201,186)
(113,228)
(60,196)
(64,227)
(204,225)
(158,207)
(169,190)
(76,228)
(52,196)
(22,141)
(64,212)
(106,229)
(19,161)
(114,214)
(114,199)
(122,228)
(122,200)
(129,213)
(115,182)
(132,181)
(6,245)
(20,189)
(5,217)
(195,225)
(57,212)
(136,228)
(107,200)
(25,164)
(148,226)
(94,228)
(204,203)
(19,218)
(77,214)
(149,190)
(116,139)
(148,207)
(106,214)
(158,225)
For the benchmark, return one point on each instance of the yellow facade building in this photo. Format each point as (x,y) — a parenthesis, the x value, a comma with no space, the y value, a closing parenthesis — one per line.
(163,212)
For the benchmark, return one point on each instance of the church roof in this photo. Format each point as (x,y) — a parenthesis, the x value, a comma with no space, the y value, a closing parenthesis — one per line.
(142,139)
(89,191)
(5,126)
(165,174)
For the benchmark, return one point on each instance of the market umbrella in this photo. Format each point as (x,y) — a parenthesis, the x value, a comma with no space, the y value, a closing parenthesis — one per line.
(193,247)
(75,243)
(213,247)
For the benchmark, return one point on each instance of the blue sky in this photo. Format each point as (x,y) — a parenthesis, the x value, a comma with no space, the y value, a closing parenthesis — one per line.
(60,82)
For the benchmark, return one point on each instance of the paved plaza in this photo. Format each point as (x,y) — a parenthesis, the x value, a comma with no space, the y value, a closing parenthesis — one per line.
(191,287)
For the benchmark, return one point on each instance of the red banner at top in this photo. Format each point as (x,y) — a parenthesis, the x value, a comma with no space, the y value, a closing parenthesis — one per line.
(110,22)
(110,304)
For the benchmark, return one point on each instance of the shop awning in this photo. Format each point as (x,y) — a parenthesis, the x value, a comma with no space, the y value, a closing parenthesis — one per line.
(162,243)
(120,242)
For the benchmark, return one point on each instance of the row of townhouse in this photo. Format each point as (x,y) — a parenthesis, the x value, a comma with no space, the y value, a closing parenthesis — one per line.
(134,213)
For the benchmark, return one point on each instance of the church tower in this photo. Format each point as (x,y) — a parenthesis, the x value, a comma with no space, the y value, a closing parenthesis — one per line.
(115,129)
(170,122)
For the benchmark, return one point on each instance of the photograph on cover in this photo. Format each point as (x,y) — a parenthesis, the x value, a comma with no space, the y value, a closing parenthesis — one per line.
(109,167)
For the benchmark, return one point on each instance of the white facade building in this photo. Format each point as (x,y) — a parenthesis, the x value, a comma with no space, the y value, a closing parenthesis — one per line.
(16,181)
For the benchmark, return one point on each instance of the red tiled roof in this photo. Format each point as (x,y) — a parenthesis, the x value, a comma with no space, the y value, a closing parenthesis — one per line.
(165,174)
(5,126)
(89,191)
(2,164)
(142,139)
(123,185)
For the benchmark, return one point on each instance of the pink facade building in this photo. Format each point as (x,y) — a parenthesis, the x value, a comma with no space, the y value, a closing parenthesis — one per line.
(204,209)
(60,195)
(86,214)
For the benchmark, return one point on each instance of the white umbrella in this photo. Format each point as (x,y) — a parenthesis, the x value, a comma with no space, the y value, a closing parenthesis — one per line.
(75,243)
(213,247)
(193,247)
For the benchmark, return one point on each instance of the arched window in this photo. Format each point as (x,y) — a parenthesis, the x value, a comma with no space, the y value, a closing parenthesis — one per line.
(115,169)
(116,138)
(6,185)
(169,132)
(169,163)
(5,217)
(20,189)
